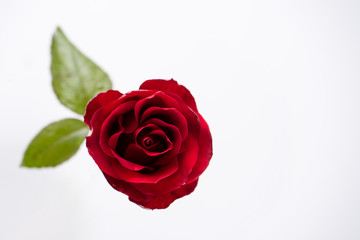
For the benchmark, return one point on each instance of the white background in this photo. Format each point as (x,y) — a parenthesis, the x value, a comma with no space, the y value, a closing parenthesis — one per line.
(277,81)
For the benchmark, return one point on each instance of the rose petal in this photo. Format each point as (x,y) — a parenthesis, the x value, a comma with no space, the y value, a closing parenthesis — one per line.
(174,136)
(158,99)
(129,122)
(164,200)
(127,175)
(186,160)
(161,146)
(110,121)
(171,102)
(107,109)
(126,188)
(112,167)
(137,155)
(130,165)
(173,87)
(205,151)
(169,115)
(98,101)
(113,140)
(155,131)
(103,161)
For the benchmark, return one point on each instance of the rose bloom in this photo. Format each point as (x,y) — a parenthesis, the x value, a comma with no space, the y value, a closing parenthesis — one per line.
(151,144)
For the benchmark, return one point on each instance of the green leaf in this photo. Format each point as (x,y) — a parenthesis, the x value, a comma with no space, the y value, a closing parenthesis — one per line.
(75,78)
(55,143)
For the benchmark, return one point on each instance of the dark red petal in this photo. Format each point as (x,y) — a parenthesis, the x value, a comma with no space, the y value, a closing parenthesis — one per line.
(110,121)
(164,200)
(169,115)
(173,87)
(158,99)
(205,151)
(137,155)
(98,101)
(153,151)
(130,165)
(137,177)
(103,161)
(113,140)
(186,161)
(107,109)
(112,167)
(163,100)
(128,122)
(127,188)
(174,136)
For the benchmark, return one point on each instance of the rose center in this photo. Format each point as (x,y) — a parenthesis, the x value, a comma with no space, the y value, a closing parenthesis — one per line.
(148,142)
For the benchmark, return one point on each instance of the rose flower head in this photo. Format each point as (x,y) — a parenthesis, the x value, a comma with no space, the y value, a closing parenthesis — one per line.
(151,144)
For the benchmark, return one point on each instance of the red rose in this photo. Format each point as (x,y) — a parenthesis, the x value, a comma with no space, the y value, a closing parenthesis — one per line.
(151,144)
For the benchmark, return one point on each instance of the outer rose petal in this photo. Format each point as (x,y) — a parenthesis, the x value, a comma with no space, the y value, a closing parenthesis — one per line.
(164,200)
(205,150)
(97,102)
(173,87)
(126,188)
